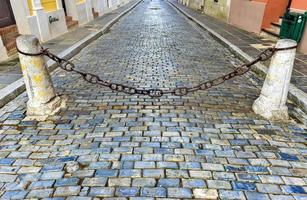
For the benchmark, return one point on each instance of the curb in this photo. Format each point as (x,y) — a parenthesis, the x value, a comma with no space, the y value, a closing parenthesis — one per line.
(13,90)
(295,94)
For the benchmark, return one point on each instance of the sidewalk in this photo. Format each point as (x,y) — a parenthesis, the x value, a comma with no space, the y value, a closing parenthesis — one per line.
(66,45)
(249,43)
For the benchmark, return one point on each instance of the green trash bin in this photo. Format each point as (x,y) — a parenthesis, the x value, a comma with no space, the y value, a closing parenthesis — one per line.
(293,26)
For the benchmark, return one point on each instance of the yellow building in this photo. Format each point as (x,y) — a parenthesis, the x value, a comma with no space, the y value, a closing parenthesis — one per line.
(48,5)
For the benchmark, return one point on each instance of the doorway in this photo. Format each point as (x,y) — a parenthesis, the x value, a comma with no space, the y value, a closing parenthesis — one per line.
(6,14)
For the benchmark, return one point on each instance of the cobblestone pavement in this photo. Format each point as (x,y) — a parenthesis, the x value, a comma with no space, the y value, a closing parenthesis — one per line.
(206,145)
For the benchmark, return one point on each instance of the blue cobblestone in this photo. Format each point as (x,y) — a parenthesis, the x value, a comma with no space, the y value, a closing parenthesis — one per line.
(28,123)
(151,144)
(101,192)
(168,183)
(17,194)
(131,157)
(204,152)
(57,167)
(99,165)
(256,196)
(167,165)
(293,189)
(67,159)
(127,191)
(129,173)
(106,173)
(66,182)
(127,165)
(239,142)
(52,175)
(153,173)
(7,161)
(193,183)
(289,157)
(163,151)
(248,177)
(143,165)
(231,194)
(41,184)
(179,193)
(153,192)
(235,169)
(244,186)
(257,169)
(190,165)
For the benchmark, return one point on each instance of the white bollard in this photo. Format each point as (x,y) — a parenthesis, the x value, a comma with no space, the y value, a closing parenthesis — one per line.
(271,103)
(43,100)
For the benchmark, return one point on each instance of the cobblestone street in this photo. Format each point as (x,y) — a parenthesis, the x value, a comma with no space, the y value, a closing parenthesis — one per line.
(206,145)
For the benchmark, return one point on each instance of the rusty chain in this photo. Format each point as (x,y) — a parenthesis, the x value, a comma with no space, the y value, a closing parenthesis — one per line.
(155,93)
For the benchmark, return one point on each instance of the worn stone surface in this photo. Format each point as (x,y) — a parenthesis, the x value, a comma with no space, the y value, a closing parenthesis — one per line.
(205,145)
(271,103)
(42,98)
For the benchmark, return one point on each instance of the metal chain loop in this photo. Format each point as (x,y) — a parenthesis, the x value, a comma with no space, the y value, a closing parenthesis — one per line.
(266,54)
(156,93)
(242,70)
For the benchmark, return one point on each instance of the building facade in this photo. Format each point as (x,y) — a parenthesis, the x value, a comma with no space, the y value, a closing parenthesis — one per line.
(218,9)
(257,16)
(265,16)
(214,8)
(46,19)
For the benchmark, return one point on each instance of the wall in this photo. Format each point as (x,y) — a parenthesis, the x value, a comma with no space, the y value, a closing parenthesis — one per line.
(218,9)
(59,27)
(81,10)
(195,4)
(274,10)
(247,15)
(71,9)
(21,11)
(48,5)
(113,4)
(299,4)
(100,6)
(303,43)
(3,53)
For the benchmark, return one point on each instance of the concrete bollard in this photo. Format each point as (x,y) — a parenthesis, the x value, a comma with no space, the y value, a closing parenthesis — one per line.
(271,103)
(43,100)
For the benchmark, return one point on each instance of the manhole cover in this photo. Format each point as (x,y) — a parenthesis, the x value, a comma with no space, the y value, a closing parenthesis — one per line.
(154,8)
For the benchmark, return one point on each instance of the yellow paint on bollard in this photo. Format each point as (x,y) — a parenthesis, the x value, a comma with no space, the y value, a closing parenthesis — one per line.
(37,78)
(23,67)
(36,62)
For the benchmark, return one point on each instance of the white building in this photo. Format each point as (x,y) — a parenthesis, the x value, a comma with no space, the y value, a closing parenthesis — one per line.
(46,19)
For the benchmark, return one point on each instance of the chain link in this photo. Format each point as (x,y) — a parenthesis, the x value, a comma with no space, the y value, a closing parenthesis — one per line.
(156,93)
